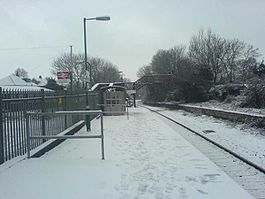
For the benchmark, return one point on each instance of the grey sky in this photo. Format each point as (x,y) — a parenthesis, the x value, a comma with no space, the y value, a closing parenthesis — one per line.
(136,31)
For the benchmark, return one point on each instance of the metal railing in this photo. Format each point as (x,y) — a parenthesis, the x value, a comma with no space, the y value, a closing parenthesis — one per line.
(153,79)
(15,103)
(31,137)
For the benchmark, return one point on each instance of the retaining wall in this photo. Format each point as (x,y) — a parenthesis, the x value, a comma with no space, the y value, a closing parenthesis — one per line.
(253,119)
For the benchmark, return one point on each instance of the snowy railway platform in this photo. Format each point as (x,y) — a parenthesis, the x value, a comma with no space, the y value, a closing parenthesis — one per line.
(144,158)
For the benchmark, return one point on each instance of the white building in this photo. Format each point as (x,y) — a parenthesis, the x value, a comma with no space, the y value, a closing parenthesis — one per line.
(14,82)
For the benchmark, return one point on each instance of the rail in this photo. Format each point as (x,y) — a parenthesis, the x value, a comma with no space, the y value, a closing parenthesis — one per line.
(250,163)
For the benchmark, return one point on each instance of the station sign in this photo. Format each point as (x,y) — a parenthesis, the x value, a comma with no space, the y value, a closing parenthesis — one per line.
(63,77)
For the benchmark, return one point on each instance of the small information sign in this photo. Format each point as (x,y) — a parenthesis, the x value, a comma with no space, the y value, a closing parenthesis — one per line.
(63,77)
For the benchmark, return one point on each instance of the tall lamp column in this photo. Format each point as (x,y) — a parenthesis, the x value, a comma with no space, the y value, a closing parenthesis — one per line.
(102,18)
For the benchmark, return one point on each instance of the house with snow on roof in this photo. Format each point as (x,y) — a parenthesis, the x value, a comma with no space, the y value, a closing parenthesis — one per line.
(16,83)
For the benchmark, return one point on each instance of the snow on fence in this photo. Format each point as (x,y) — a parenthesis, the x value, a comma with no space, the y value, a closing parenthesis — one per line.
(14,103)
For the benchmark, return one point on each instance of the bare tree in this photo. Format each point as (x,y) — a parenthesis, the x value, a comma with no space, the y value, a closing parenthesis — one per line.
(144,70)
(161,62)
(207,50)
(21,72)
(248,63)
(172,61)
(169,61)
(210,59)
(177,58)
(76,67)
(233,53)
(226,59)
(102,70)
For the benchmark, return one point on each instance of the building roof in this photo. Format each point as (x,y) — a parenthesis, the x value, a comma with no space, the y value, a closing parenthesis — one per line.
(13,80)
(97,86)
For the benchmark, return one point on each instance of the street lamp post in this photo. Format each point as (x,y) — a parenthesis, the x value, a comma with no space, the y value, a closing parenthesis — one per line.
(102,18)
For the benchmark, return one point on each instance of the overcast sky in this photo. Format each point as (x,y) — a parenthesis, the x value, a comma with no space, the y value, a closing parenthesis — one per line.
(138,28)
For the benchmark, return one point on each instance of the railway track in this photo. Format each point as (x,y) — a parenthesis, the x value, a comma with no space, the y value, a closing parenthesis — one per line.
(246,173)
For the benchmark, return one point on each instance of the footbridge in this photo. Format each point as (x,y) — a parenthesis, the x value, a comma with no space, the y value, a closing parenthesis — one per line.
(133,86)
(153,79)
(141,82)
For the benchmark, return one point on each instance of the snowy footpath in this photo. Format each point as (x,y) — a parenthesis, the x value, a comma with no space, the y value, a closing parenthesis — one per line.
(145,158)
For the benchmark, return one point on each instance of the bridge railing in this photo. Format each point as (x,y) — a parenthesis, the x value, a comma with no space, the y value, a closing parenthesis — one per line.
(153,79)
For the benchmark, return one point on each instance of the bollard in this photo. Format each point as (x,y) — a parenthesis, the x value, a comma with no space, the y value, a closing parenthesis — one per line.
(88,122)
(134,100)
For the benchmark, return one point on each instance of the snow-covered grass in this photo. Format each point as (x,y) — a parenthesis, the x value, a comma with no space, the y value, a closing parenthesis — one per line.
(145,158)
(246,141)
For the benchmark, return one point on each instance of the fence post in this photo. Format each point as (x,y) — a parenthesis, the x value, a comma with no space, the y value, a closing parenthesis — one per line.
(42,117)
(2,159)
(94,106)
(64,108)
(134,96)
(86,98)
(102,137)
(28,135)
(88,125)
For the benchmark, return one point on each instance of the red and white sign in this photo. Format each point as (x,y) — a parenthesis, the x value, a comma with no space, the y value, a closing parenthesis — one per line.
(63,77)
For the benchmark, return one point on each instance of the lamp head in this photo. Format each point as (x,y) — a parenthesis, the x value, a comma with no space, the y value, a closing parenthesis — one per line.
(103,18)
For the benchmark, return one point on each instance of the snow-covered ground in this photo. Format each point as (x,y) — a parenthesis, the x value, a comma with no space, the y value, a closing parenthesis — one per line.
(145,158)
(248,142)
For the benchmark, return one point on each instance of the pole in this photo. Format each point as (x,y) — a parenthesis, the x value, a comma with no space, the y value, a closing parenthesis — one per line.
(2,158)
(127,113)
(134,96)
(85,50)
(71,68)
(42,117)
(102,137)
(28,135)
(65,109)
(88,119)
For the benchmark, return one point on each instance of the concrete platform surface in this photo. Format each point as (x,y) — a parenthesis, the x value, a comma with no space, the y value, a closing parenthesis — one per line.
(145,158)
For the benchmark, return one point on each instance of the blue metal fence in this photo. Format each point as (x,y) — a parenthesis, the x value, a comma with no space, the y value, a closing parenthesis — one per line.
(15,103)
